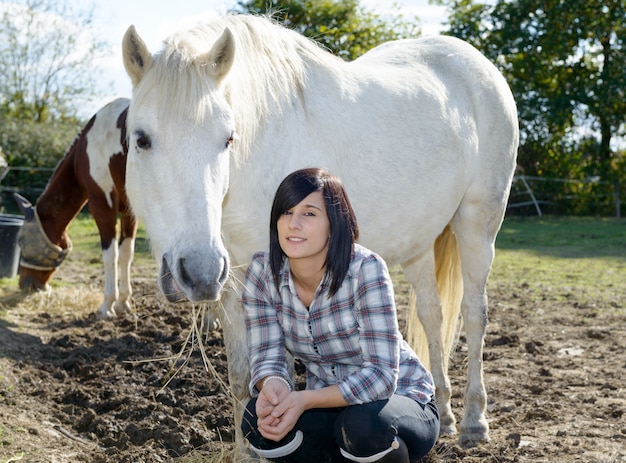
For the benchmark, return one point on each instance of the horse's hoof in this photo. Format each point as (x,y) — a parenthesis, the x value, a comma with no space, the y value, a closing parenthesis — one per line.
(122,307)
(448,429)
(473,436)
(447,421)
(106,313)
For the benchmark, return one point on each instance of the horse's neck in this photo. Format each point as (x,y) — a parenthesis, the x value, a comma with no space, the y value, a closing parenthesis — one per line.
(62,199)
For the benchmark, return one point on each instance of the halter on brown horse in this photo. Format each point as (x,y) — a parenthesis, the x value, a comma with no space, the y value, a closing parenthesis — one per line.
(92,171)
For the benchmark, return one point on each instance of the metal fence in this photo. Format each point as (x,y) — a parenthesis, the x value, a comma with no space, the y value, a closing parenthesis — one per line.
(529,195)
(13,179)
(590,196)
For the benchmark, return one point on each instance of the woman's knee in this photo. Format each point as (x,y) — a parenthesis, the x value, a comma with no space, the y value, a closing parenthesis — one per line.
(399,429)
(310,442)
(363,435)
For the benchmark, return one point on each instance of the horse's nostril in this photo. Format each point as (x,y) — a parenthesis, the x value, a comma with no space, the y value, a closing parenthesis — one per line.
(184,274)
(224,274)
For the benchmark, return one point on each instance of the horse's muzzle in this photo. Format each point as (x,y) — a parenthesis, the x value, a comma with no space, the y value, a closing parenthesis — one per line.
(181,282)
(34,280)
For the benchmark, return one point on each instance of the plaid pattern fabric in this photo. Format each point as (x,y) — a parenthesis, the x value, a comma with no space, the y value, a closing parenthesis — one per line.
(350,339)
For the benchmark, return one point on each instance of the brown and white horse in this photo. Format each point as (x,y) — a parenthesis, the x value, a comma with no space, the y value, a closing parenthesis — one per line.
(92,171)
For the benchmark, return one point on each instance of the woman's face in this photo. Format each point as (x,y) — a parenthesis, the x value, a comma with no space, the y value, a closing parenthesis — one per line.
(303,230)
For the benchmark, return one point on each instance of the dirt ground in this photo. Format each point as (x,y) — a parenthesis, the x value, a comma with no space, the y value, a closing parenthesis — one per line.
(73,389)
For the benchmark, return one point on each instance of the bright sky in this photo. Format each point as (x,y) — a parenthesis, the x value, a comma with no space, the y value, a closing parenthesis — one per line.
(156,19)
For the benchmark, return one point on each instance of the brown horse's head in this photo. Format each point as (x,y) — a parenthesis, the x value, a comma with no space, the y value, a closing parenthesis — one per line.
(34,280)
(39,256)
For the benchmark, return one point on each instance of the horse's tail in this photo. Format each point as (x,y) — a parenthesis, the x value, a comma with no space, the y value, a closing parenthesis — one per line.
(450,286)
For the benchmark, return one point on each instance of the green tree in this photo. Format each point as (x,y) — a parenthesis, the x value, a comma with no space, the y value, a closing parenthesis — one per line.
(47,56)
(564,60)
(35,145)
(344,27)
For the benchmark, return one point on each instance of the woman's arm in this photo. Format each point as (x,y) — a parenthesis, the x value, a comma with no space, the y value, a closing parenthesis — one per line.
(379,335)
(265,339)
(327,397)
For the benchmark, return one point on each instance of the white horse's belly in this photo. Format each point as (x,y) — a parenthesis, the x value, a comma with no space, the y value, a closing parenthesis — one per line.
(395,226)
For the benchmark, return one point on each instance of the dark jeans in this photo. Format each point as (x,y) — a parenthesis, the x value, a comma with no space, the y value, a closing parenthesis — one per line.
(360,430)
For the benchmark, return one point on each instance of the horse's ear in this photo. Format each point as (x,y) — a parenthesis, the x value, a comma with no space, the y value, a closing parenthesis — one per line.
(25,206)
(137,57)
(220,58)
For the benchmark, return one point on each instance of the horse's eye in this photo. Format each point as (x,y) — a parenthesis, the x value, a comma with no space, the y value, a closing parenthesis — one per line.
(143,141)
(232,138)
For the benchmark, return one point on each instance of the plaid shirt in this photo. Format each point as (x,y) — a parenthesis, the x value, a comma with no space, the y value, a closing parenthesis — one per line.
(351,339)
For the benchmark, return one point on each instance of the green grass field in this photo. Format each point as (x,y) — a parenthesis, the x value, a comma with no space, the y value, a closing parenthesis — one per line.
(581,257)
(565,237)
(86,241)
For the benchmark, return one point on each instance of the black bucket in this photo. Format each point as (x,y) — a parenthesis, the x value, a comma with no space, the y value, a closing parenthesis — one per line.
(9,250)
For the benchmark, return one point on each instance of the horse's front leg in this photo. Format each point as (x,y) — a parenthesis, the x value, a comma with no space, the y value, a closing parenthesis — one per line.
(106,220)
(234,329)
(126,255)
(109,260)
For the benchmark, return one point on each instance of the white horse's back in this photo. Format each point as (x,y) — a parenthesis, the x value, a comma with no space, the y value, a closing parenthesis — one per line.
(407,137)
(423,134)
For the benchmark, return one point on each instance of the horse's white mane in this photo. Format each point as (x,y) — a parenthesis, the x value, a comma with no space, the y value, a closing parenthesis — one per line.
(270,67)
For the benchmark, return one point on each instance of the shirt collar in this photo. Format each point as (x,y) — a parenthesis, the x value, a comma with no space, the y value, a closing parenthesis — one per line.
(285,276)
(283,279)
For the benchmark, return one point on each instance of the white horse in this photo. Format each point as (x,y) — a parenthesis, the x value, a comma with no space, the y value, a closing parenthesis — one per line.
(423,133)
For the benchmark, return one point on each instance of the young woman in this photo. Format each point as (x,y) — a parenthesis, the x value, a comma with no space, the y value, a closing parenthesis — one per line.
(324,299)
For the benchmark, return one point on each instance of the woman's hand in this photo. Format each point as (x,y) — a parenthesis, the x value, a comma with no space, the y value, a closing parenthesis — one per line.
(270,395)
(278,409)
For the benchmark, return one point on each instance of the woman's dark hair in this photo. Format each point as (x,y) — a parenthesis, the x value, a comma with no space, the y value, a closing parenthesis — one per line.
(344,230)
